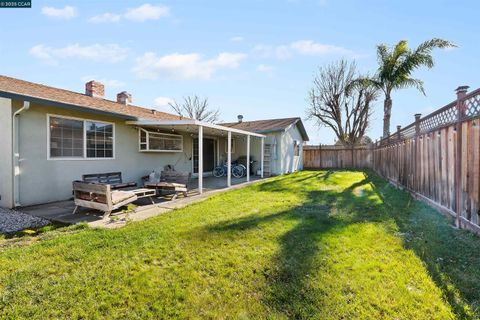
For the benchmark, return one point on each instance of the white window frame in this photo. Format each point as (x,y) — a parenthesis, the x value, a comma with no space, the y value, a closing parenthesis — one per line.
(157,133)
(84,138)
(233,145)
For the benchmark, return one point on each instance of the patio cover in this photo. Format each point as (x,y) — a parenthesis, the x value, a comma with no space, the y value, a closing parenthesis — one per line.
(200,127)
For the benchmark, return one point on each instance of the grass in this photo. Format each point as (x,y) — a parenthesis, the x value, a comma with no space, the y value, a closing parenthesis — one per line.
(318,244)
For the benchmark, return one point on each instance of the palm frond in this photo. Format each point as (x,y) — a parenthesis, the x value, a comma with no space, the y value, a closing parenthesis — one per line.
(363,83)
(382,54)
(426,47)
(410,82)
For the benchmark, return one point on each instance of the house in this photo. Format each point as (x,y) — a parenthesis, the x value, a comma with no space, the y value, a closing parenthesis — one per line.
(283,143)
(51,137)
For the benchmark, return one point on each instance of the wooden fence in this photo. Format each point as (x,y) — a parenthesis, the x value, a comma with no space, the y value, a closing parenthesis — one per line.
(437,158)
(315,157)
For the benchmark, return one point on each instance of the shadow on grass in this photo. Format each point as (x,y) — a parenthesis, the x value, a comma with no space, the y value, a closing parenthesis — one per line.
(450,255)
(447,253)
(299,246)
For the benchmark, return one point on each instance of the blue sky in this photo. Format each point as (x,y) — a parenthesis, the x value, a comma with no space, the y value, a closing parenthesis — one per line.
(255,58)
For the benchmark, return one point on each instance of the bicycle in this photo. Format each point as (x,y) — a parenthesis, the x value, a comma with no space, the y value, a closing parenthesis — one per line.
(238,170)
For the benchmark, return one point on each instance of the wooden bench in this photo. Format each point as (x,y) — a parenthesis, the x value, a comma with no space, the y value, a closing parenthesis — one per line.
(100,196)
(173,181)
(114,179)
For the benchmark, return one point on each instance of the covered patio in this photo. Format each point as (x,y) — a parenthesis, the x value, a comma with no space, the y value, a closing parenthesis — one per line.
(206,145)
(62,211)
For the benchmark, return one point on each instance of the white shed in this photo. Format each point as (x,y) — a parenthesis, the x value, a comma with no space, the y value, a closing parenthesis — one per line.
(284,142)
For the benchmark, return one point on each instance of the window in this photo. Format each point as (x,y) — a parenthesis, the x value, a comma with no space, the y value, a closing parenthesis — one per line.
(154,141)
(79,139)
(233,145)
(99,139)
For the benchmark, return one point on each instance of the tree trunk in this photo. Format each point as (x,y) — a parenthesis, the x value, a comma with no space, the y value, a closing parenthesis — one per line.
(387,112)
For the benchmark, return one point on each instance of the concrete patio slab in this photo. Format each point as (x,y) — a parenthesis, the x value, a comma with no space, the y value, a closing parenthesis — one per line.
(62,211)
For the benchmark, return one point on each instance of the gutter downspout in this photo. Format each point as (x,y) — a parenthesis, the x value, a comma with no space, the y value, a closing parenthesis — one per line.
(15,154)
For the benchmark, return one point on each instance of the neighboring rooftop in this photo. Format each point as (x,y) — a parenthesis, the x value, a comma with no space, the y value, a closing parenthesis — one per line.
(20,89)
(269,125)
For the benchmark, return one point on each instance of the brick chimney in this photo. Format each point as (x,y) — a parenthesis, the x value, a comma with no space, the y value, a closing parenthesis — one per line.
(95,89)
(124,98)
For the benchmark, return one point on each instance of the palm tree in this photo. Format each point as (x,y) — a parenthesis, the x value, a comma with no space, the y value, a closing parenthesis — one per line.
(395,66)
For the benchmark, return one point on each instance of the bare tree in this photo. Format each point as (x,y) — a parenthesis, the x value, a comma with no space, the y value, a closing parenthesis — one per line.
(196,108)
(338,104)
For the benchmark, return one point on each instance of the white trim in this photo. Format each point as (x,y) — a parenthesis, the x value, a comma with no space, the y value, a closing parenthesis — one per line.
(262,156)
(16,171)
(216,155)
(234,143)
(248,158)
(156,133)
(84,139)
(229,159)
(200,159)
(191,122)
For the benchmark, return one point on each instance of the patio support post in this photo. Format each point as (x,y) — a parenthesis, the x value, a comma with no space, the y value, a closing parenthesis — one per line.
(229,159)
(248,157)
(262,157)
(200,159)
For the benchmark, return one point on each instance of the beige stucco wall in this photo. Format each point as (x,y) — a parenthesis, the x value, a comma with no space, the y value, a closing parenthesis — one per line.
(43,180)
(6,153)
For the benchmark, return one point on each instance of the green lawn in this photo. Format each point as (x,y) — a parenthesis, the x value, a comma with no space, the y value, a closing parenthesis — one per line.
(315,244)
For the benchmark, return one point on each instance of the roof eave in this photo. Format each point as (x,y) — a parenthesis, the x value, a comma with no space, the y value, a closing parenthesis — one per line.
(16,96)
(193,122)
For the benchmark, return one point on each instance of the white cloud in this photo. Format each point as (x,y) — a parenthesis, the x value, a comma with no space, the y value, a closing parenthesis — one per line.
(301,47)
(264,68)
(184,66)
(147,12)
(236,39)
(106,17)
(96,52)
(139,14)
(109,83)
(312,48)
(67,12)
(163,102)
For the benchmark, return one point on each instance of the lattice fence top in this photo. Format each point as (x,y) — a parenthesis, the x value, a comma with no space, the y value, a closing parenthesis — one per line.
(444,116)
(472,105)
(408,132)
(440,118)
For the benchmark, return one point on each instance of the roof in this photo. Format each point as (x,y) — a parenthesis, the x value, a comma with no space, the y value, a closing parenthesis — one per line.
(269,125)
(20,89)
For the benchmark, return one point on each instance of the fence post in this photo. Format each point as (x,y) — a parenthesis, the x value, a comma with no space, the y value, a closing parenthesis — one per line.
(461,93)
(399,150)
(320,156)
(353,157)
(416,177)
